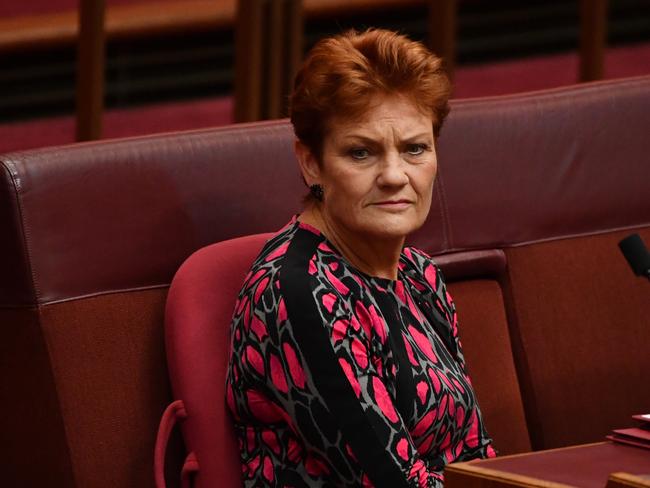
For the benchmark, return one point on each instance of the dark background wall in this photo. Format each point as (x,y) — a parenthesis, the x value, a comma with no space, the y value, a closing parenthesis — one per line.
(40,82)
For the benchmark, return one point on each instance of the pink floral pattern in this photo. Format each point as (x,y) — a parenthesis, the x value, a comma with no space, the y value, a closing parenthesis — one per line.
(287,432)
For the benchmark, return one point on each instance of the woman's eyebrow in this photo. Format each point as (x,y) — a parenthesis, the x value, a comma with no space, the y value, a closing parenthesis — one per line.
(361,138)
(372,140)
(418,136)
(378,141)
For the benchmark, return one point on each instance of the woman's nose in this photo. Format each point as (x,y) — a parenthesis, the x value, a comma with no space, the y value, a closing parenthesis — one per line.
(392,171)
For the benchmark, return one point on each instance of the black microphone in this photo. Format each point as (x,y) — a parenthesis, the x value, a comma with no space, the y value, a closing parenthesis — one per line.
(637,255)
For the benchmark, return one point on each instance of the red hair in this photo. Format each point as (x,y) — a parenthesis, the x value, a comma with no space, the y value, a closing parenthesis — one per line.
(343,74)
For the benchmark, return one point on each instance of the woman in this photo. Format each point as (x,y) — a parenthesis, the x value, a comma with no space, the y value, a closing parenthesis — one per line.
(346,369)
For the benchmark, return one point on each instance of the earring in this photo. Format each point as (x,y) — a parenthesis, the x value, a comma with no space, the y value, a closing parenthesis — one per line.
(316,191)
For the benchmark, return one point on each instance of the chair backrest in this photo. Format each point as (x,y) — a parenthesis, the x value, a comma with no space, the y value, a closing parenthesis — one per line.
(197,337)
(473,281)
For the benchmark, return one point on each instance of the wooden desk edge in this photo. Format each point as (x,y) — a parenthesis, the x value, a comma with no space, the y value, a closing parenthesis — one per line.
(468,475)
(627,480)
(533,453)
(478,474)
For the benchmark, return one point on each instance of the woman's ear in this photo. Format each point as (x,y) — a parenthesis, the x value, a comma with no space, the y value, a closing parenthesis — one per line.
(308,163)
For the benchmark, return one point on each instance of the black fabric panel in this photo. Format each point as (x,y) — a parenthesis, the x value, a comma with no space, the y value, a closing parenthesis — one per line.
(327,375)
(405,385)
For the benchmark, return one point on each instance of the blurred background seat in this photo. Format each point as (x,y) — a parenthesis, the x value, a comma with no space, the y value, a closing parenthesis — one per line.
(172,65)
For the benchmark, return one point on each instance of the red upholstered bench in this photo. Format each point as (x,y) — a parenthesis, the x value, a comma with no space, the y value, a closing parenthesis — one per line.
(93,234)
(556,179)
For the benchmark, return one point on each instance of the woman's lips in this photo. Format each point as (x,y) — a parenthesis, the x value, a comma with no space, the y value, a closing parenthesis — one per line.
(393,204)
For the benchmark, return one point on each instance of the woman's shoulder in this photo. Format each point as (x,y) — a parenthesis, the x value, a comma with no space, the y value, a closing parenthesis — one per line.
(265,268)
(278,251)
(296,260)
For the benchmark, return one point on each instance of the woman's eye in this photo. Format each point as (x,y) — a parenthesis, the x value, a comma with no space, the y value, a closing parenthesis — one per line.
(359,153)
(415,149)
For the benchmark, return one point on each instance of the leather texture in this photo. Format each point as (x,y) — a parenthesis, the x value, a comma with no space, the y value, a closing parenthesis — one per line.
(512,170)
(545,165)
(87,214)
(489,263)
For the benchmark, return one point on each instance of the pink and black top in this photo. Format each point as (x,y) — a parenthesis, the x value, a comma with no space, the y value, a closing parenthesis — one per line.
(337,378)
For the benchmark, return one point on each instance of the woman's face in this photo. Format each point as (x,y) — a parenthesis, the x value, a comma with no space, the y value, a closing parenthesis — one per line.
(377,172)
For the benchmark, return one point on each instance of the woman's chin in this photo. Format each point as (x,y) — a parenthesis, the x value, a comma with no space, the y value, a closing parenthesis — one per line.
(390,229)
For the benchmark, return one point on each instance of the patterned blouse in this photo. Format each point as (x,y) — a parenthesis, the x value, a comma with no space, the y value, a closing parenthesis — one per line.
(337,378)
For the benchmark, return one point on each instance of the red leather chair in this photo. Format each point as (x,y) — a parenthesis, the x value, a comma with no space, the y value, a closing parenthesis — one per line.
(197,336)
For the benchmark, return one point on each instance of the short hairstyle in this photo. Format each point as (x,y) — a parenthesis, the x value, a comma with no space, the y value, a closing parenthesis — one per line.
(342,74)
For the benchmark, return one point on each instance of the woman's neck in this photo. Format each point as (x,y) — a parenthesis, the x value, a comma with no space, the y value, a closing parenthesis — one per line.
(370,255)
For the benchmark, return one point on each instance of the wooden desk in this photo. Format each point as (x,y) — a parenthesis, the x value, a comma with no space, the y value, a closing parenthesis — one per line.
(626,480)
(586,466)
